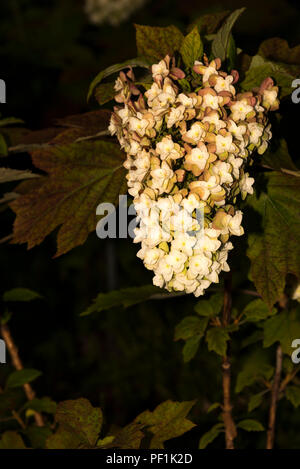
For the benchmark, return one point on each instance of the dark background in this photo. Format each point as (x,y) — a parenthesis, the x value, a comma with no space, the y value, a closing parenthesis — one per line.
(123,360)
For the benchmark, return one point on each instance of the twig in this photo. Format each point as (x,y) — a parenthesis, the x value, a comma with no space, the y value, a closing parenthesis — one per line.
(15,416)
(274,399)
(289,377)
(103,133)
(16,360)
(7,238)
(230,429)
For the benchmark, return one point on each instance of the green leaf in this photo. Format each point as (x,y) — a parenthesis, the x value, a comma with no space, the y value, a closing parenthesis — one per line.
(129,437)
(10,121)
(45,404)
(9,175)
(280,159)
(192,330)
(221,42)
(125,297)
(251,425)
(11,440)
(189,327)
(276,252)
(80,177)
(138,62)
(214,406)
(79,424)
(260,69)
(167,421)
(210,22)
(190,348)
(156,42)
(63,438)
(191,48)
(255,368)
(217,338)
(257,310)
(293,395)
(278,49)
(38,436)
(210,307)
(255,401)
(21,377)
(3,146)
(104,93)
(211,435)
(283,328)
(21,294)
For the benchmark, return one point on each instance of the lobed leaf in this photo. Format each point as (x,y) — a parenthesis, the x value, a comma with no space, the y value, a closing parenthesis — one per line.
(167,421)
(217,338)
(156,42)
(191,48)
(80,176)
(276,252)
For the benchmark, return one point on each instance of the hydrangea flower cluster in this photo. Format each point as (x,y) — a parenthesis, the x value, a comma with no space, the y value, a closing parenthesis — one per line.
(189,140)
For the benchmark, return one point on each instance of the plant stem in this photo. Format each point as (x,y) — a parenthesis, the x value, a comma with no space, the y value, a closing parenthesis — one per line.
(230,429)
(16,360)
(15,416)
(274,399)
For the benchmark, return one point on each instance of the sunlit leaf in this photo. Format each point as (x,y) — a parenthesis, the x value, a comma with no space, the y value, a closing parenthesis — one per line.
(191,48)
(221,42)
(156,42)
(167,421)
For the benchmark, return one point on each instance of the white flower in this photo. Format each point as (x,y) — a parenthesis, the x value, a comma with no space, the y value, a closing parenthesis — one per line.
(269,97)
(224,144)
(138,125)
(160,69)
(214,118)
(184,242)
(191,203)
(176,115)
(165,269)
(153,92)
(176,259)
(224,84)
(198,157)
(246,184)
(236,163)
(211,101)
(234,224)
(166,148)
(198,266)
(194,134)
(296,293)
(237,131)
(186,101)
(222,170)
(256,131)
(240,109)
